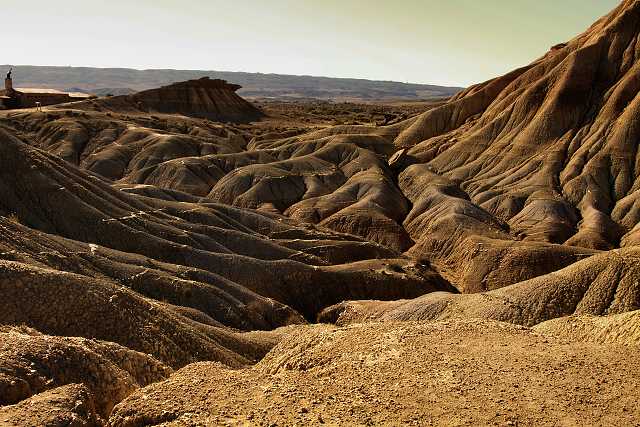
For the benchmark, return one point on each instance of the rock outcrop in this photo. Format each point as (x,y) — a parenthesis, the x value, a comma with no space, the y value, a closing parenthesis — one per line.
(205,98)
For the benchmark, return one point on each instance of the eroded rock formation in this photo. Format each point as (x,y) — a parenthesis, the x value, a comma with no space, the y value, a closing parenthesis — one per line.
(206,98)
(174,261)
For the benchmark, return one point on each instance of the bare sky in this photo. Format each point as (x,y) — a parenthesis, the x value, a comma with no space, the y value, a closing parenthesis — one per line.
(452,42)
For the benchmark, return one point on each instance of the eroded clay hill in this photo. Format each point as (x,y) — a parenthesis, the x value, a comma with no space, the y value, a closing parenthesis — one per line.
(141,277)
(547,153)
(511,179)
(159,268)
(299,265)
(206,98)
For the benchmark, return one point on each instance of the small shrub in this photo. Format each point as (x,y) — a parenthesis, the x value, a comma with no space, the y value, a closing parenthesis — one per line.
(14,218)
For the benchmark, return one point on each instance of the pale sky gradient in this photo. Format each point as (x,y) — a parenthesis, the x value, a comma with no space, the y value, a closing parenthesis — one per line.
(450,42)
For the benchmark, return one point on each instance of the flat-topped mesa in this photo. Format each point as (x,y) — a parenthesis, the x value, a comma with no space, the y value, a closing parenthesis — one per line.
(203,82)
(212,99)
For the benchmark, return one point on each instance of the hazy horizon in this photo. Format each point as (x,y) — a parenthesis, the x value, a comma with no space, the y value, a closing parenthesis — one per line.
(452,43)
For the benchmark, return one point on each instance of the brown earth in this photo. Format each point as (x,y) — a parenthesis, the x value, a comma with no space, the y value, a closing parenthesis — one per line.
(446,373)
(478,256)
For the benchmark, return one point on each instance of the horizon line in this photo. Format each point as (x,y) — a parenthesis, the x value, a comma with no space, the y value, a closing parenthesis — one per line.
(242,72)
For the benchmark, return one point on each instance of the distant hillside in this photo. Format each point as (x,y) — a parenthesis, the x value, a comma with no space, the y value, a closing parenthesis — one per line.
(102,80)
(105,91)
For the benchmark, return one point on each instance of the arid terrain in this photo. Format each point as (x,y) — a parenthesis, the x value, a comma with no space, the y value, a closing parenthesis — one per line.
(180,256)
(124,81)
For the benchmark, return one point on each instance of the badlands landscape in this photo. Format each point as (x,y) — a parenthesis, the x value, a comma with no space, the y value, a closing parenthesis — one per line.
(125,81)
(181,256)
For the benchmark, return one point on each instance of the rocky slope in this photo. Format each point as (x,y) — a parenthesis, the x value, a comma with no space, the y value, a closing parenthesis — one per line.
(604,284)
(511,179)
(174,281)
(160,269)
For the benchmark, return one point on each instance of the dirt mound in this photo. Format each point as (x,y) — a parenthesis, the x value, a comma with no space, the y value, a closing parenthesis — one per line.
(70,405)
(616,329)
(32,364)
(65,304)
(469,372)
(601,285)
(206,98)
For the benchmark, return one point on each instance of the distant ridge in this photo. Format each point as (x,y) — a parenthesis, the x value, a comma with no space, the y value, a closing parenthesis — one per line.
(96,80)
